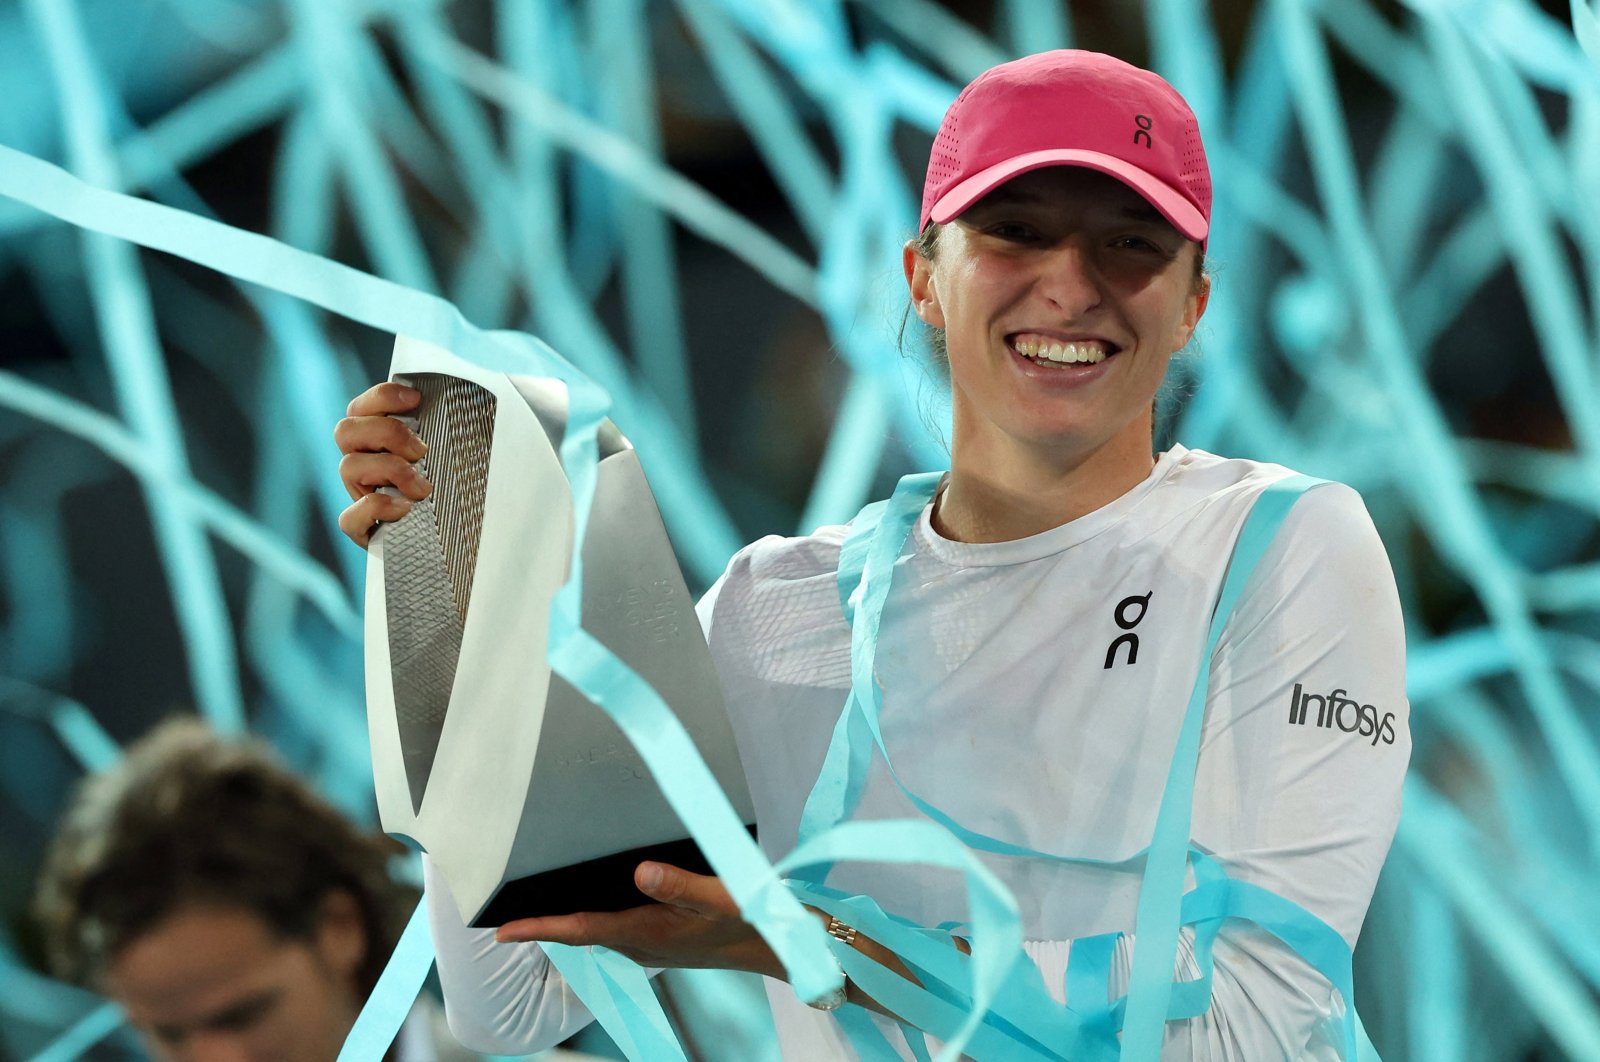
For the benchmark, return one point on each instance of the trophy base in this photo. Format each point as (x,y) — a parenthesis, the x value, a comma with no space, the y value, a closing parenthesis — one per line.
(604,884)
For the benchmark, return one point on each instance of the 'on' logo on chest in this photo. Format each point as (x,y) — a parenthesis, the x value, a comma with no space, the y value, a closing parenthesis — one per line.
(1128,614)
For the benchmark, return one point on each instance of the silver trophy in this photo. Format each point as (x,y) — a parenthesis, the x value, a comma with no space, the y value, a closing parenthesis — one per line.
(526,795)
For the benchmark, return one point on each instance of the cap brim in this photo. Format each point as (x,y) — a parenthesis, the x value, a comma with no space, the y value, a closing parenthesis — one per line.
(1184,215)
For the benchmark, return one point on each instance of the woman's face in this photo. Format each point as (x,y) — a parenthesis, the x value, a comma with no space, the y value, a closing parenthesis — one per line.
(1062,295)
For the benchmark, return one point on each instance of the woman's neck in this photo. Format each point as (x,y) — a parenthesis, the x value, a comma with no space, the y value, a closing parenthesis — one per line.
(999,497)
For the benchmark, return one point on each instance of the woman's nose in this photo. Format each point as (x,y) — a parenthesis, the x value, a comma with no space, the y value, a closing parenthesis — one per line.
(1070,277)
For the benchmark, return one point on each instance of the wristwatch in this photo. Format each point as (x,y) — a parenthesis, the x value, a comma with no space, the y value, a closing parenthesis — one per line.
(839,996)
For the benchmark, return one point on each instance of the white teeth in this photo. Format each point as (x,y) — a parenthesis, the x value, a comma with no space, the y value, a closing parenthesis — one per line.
(1070,353)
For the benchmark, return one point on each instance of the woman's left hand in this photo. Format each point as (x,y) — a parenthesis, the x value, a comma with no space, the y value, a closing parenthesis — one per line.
(693,924)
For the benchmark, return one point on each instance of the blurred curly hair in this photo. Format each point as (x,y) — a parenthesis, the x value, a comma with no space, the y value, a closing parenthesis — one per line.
(188,819)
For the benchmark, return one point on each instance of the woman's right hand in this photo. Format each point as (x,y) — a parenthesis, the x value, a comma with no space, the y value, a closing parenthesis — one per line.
(378,452)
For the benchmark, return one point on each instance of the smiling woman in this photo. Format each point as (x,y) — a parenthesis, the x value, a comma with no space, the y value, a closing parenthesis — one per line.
(1061,295)
(1065,608)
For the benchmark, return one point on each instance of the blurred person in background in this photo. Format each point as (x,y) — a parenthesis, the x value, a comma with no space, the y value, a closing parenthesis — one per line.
(231,911)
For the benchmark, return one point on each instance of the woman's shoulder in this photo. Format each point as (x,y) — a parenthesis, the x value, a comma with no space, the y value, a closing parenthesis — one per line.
(1203,480)
(792,572)
(789,558)
(777,595)
(1327,537)
(1201,472)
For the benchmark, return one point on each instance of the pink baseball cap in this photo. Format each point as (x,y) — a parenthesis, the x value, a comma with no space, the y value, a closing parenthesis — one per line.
(1071,108)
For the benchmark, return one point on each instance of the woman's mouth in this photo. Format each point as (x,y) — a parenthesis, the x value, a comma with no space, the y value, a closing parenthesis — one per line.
(1051,352)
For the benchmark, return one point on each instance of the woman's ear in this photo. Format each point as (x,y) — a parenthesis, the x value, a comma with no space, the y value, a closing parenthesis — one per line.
(919,279)
(1193,311)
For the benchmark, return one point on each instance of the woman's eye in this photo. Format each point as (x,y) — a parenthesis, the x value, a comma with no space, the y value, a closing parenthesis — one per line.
(1012,230)
(1136,243)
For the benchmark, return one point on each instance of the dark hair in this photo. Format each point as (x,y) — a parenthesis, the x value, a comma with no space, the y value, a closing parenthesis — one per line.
(190,819)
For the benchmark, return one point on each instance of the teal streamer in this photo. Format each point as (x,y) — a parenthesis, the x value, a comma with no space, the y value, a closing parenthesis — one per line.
(229,108)
(1037,25)
(1409,167)
(997,934)
(917,95)
(1536,254)
(860,93)
(235,25)
(1544,472)
(1399,62)
(603,981)
(1156,920)
(1473,727)
(1020,1016)
(1188,54)
(684,200)
(463,129)
(855,447)
(721,1011)
(1586,27)
(1447,663)
(76,727)
(312,691)
(1535,41)
(1089,973)
(651,1033)
(767,117)
(246,100)
(107,435)
(706,537)
(82,734)
(34,1000)
(1467,257)
(401,130)
(303,186)
(38,577)
(917,1043)
(339,99)
(594,243)
(865,1036)
(299,350)
(127,328)
(809,39)
(649,269)
(88,1031)
(1436,1033)
(1568,1013)
(386,1008)
(1444,505)
(958,46)
(863,198)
